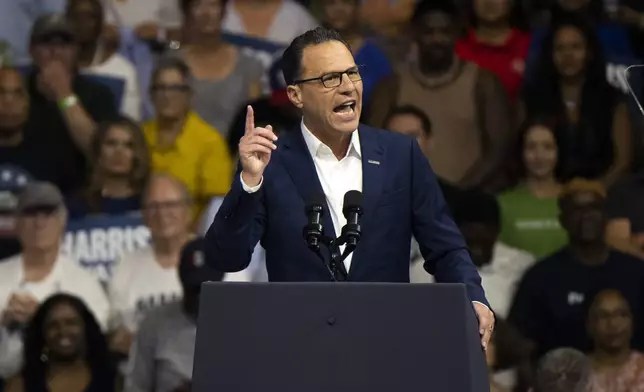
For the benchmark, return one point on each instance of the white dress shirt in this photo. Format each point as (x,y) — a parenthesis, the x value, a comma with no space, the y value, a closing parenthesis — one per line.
(337,177)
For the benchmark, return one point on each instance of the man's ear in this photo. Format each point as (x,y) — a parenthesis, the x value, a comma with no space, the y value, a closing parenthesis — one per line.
(295,95)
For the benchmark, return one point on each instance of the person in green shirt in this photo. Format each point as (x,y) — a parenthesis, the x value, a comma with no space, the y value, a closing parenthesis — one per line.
(529,211)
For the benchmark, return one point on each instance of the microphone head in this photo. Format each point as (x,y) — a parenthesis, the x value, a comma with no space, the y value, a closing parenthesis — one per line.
(315,203)
(352,202)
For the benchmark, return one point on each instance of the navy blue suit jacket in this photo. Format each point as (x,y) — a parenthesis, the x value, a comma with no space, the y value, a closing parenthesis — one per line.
(401,198)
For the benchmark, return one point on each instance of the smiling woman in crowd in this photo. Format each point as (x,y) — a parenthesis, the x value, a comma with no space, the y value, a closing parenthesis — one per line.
(529,212)
(570,85)
(120,170)
(65,351)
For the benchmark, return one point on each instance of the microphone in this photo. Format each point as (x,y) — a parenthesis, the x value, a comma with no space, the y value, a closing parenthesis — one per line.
(313,231)
(352,210)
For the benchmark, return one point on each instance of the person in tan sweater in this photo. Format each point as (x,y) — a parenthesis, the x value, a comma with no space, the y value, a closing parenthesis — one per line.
(468,106)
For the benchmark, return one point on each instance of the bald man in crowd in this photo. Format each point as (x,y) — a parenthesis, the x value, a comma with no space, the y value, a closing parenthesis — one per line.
(147,278)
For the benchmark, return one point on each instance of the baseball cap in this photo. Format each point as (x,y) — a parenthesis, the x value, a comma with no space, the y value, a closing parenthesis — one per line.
(51,25)
(39,195)
(193,270)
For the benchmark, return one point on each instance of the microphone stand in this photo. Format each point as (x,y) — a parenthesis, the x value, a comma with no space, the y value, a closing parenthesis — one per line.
(349,237)
(337,258)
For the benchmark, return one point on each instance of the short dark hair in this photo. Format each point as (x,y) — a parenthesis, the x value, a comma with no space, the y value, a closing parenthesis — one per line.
(292,56)
(425,7)
(475,206)
(564,370)
(186,4)
(171,63)
(592,298)
(411,110)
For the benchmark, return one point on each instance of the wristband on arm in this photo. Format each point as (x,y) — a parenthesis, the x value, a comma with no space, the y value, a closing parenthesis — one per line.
(67,102)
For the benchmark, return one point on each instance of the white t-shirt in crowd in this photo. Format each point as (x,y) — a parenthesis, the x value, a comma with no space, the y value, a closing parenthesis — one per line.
(139,284)
(67,276)
(119,67)
(132,13)
(291,20)
(499,278)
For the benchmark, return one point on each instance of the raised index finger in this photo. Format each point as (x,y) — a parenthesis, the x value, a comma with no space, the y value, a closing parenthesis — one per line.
(250,119)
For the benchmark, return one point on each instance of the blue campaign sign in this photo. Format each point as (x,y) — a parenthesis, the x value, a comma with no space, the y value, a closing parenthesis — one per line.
(98,241)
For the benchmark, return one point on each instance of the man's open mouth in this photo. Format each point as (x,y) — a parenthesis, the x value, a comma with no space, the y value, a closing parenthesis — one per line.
(347,107)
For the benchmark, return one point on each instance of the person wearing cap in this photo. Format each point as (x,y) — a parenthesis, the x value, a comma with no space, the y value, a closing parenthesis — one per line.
(40,271)
(163,350)
(16,19)
(552,299)
(65,106)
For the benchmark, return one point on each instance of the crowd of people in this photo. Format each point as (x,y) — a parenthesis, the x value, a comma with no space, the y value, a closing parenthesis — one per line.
(136,108)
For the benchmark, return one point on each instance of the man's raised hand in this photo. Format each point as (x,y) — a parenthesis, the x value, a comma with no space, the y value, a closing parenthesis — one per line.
(255,149)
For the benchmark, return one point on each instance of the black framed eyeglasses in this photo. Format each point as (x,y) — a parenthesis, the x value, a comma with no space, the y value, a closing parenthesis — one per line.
(334,79)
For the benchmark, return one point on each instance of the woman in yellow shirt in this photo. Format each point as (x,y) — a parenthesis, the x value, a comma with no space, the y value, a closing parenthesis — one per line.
(181,143)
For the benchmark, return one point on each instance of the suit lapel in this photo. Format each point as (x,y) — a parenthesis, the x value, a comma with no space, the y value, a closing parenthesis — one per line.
(300,167)
(373,167)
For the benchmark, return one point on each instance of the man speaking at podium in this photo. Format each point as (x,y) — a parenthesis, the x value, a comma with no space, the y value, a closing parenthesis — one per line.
(327,156)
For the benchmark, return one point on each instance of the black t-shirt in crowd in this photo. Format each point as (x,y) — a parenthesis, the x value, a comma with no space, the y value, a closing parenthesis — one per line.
(46,124)
(553,297)
(19,165)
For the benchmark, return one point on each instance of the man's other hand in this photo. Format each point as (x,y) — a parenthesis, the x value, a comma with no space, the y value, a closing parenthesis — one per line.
(486,323)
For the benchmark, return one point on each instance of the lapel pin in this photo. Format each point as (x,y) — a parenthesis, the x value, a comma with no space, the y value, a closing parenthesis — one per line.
(373,162)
